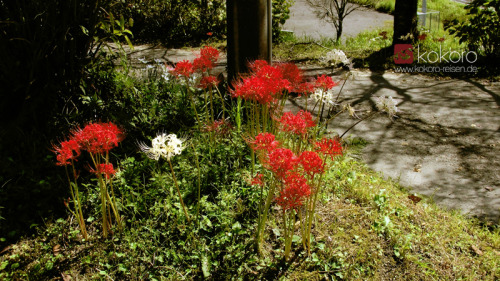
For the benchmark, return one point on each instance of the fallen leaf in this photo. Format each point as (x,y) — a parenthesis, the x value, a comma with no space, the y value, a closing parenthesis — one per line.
(489,188)
(5,250)
(56,249)
(414,199)
(65,277)
(476,250)
(417,168)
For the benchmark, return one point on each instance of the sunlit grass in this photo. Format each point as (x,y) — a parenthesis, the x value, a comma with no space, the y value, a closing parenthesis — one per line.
(449,10)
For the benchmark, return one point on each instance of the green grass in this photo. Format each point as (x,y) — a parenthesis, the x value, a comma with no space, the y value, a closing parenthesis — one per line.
(366,49)
(449,10)
(367,229)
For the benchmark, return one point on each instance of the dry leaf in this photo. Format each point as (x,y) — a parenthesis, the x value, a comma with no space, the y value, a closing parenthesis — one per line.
(489,188)
(417,168)
(414,199)
(56,249)
(5,250)
(476,250)
(65,277)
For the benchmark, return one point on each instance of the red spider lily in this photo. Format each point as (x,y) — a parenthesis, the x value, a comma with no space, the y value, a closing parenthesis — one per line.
(293,74)
(281,160)
(255,89)
(257,65)
(209,33)
(311,163)
(305,88)
(325,82)
(295,191)
(202,64)
(105,169)
(98,137)
(183,68)
(220,127)
(297,124)
(264,141)
(67,150)
(209,53)
(207,82)
(330,147)
(264,86)
(258,180)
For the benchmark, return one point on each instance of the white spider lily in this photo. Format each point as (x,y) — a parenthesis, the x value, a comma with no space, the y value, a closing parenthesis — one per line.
(327,97)
(337,56)
(163,145)
(387,104)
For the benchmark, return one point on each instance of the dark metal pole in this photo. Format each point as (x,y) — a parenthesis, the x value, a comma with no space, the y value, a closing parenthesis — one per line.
(248,26)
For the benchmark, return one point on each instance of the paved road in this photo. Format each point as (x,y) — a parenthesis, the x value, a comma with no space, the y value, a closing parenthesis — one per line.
(303,22)
(445,143)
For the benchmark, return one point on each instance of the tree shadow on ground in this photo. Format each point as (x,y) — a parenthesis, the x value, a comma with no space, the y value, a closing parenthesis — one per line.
(445,142)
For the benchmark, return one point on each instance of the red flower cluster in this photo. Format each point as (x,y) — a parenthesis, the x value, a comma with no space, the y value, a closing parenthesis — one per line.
(311,163)
(295,191)
(265,85)
(297,124)
(104,169)
(264,141)
(293,74)
(207,82)
(220,127)
(206,60)
(281,161)
(95,138)
(183,68)
(98,137)
(330,147)
(258,180)
(67,150)
(324,82)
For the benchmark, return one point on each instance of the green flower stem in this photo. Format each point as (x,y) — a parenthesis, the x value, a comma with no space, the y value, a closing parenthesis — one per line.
(199,181)
(223,103)
(263,218)
(76,201)
(310,214)
(191,99)
(289,227)
(178,191)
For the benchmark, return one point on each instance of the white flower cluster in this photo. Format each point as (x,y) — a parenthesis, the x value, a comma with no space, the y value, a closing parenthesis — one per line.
(337,56)
(387,104)
(166,75)
(327,97)
(163,145)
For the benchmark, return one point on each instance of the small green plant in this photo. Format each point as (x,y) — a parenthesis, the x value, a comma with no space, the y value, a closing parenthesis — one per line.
(480,30)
